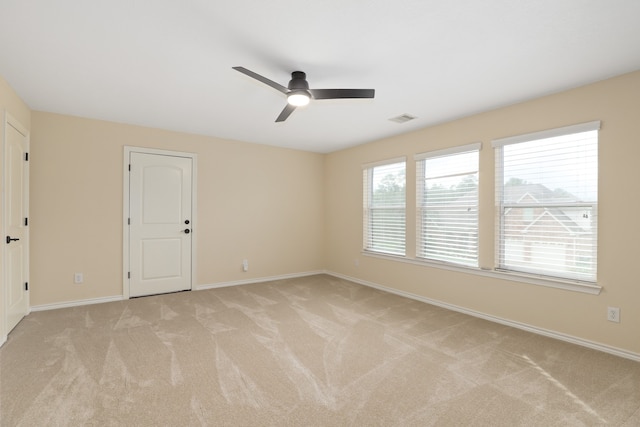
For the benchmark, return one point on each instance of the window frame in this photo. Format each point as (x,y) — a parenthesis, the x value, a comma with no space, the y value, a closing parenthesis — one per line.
(367,198)
(421,207)
(502,207)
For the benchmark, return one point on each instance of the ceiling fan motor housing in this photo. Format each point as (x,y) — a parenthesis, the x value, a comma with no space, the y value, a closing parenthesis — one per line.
(298,81)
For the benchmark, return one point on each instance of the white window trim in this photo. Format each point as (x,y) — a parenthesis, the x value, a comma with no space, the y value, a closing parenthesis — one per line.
(383,162)
(446,151)
(550,133)
(591,288)
(567,285)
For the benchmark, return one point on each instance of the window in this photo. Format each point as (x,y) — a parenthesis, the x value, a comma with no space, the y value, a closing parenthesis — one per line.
(384,207)
(447,205)
(546,196)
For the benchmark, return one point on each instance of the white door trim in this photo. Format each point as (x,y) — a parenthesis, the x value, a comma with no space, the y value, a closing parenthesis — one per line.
(9,120)
(125,211)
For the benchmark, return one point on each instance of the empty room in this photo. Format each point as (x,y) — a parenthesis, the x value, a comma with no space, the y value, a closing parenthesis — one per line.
(337,213)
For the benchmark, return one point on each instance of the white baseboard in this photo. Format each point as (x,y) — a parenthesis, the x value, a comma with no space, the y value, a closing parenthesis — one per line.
(77,303)
(257,280)
(101,300)
(3,339)
(534,329)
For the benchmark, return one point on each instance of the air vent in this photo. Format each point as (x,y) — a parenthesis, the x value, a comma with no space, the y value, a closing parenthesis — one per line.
(403,118)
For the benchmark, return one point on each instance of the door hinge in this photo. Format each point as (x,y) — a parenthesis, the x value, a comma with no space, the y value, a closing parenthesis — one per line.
(26,286)
(26,222)
(129,275)
(129,167)
(26,157)
(129,221)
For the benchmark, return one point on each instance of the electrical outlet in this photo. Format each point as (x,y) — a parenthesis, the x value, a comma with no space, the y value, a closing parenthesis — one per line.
(245,265)
(78,278)
(613,314)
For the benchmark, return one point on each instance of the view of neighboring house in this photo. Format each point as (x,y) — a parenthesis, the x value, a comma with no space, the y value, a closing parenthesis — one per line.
(551,229)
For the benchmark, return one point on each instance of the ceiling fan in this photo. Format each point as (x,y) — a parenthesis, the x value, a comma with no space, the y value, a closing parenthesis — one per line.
(299,94)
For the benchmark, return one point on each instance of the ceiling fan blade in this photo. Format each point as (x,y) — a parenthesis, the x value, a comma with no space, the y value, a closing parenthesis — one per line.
(342,93)
(285,113)
(262,79)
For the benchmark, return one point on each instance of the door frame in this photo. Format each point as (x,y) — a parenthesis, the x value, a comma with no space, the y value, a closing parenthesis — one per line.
(126,189)
(9,120)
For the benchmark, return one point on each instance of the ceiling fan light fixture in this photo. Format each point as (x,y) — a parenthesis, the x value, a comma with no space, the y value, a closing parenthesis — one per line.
(298,98)
(298,93)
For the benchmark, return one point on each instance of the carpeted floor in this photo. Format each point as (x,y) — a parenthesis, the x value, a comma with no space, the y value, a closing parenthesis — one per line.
(314,351)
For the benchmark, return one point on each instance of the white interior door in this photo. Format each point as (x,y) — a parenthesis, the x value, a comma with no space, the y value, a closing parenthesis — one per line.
(160,223)
(15,207)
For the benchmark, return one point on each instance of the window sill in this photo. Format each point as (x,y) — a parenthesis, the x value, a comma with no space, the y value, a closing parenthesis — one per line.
(568,285)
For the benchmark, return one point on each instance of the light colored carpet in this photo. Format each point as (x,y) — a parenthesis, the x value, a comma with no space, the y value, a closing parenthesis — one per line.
(314,351)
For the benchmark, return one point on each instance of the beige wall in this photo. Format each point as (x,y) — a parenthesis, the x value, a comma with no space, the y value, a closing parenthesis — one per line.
(10,103)
(616,102)
(289,211)
(261,203)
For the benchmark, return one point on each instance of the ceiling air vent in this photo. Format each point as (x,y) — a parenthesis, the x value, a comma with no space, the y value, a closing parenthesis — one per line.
(403,118)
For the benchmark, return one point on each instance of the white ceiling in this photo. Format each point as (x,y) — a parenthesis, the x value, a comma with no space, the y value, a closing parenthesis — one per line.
(167,63)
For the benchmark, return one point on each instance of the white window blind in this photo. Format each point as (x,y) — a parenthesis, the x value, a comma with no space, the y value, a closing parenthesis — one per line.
(384,211)
(447,205)
(546,196)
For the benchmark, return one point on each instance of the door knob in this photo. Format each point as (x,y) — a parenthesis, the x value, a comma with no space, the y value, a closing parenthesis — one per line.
(187,231)
(9,240)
